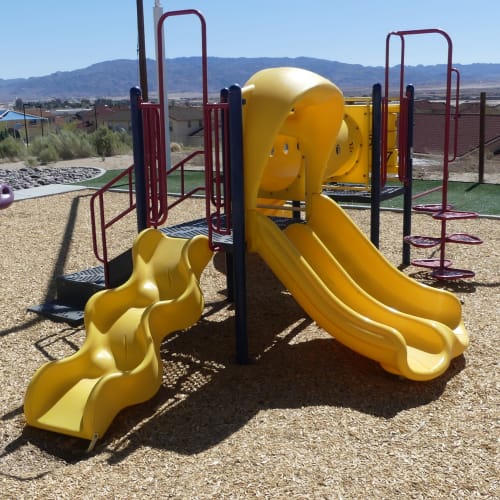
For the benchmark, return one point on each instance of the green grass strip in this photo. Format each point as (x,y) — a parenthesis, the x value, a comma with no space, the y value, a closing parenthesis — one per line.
(465,196)
(192,179)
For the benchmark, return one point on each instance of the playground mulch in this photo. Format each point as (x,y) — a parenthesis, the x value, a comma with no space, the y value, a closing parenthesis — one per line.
(306,419)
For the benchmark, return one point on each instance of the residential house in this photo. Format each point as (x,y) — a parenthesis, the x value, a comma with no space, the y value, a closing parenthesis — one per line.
(113,117)
(186,124)
(22,125)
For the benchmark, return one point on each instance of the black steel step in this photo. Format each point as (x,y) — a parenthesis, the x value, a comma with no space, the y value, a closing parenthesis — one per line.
(74,290)
(72,293)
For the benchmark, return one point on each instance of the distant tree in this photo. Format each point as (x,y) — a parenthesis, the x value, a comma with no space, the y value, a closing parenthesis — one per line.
(54,104)
(105,142)
(19,104)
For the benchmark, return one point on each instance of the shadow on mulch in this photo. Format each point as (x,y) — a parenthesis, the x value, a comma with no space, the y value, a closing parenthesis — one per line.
(455,286)
(206,397)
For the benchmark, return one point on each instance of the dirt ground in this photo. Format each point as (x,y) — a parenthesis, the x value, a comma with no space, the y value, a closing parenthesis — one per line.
(462,169)
(308,418)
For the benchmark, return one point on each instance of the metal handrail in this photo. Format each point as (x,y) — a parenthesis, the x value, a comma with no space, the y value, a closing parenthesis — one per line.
(217,177)
(449,71)
(154,164)
(217,186)
(97,198)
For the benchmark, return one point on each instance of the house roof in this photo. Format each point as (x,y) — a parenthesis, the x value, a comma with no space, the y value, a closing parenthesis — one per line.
(7,115)
(185,113)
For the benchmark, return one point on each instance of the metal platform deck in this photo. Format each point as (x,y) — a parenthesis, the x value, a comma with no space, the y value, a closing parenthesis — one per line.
(73,290)
(359,194)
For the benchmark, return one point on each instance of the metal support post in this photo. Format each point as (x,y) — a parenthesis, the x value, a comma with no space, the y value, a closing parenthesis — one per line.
(376,164)
(238,223)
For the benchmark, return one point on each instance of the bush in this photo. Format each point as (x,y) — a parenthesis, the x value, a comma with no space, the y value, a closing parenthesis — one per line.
(48,154)
(109,143)
(31,161)
(105,142)
(12,149)
(66,145)
(70,145)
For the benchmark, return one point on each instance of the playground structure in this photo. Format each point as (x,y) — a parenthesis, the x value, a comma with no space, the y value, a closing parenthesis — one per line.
(272,149)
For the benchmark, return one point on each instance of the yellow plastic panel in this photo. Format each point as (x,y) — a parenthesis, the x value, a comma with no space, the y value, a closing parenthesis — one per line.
(283,165)
(295,104)
(419,347)
(350,161)
(119,363)
(392,160)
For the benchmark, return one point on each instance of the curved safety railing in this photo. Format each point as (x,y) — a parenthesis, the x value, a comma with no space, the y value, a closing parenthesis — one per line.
(147,180)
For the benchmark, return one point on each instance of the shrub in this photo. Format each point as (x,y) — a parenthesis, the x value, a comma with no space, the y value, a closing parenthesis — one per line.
(109,143)
(12,149)
(70,145)
(31,161)
(37,145)
(125,141)
(48,154)
(105,142)
(67,145)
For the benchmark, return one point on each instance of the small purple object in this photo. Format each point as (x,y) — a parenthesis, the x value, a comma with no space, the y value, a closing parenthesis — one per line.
(6,195)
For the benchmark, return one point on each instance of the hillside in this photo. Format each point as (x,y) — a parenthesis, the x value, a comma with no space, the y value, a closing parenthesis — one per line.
(114,78)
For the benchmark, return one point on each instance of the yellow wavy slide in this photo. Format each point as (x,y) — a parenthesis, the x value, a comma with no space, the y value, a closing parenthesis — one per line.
(119,363)
(345,284)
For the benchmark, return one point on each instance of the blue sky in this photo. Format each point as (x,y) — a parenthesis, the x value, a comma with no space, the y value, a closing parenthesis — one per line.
(40,37)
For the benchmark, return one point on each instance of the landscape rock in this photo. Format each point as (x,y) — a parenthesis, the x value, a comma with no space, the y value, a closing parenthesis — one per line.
(30,177)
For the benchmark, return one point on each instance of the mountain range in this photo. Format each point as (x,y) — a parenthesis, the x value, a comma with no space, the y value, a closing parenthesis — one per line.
(113,79)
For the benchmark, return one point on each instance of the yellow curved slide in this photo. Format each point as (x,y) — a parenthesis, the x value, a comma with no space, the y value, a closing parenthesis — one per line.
(358,297)
(293,121)
(119,363)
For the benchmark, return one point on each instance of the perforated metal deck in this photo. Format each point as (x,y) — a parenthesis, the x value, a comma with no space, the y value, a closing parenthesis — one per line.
(74,290)
(359,193)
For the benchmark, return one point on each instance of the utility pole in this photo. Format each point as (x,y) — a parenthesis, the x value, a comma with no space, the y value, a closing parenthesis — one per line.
(157,13)
(143,74)
(25,125)
(482,127)
(41,117)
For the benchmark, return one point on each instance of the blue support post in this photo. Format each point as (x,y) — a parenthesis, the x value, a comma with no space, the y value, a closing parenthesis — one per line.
(138,146)
(376,163)
(238,223)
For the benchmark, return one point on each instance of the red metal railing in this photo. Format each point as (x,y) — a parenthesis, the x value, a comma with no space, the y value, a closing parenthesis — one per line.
(449,72)
(99,224)
(216,187)
(441,267)
(154,164)
(217,173)
(215,151)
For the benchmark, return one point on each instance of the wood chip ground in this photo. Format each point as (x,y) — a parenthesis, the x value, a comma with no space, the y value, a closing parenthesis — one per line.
(307,419)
